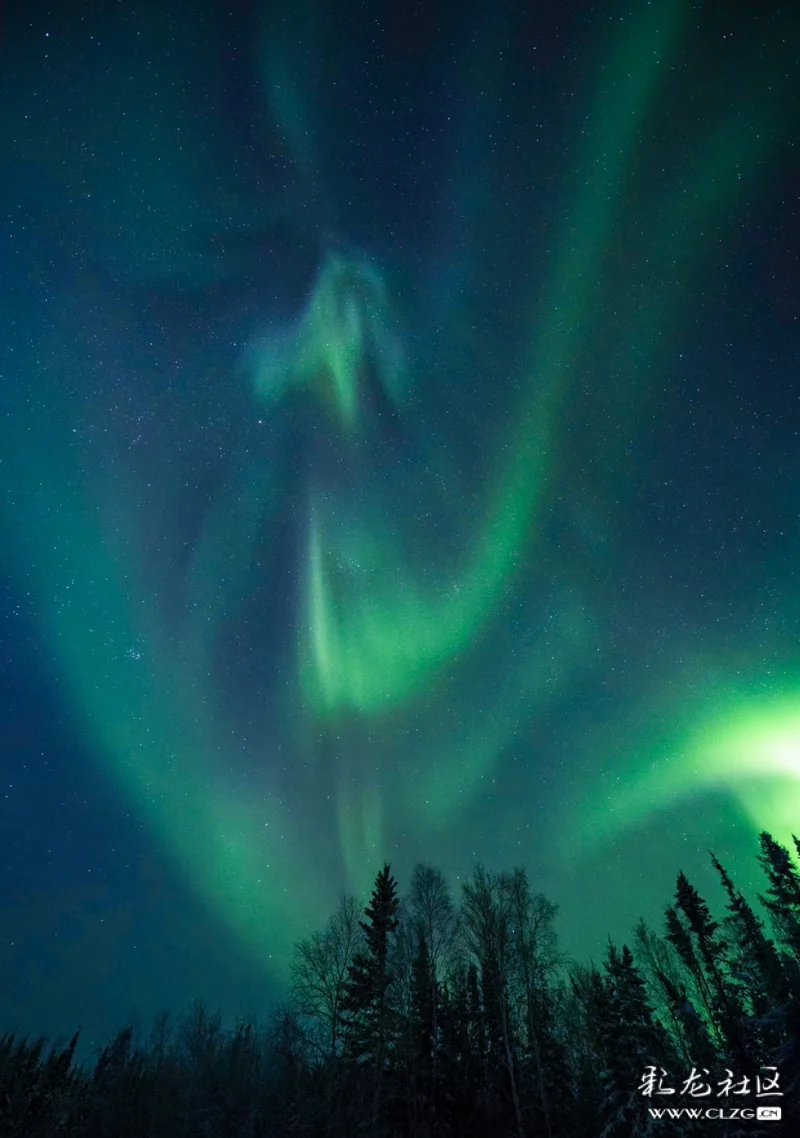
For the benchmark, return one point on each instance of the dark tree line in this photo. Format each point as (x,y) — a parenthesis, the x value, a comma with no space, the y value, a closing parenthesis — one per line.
(423,1017)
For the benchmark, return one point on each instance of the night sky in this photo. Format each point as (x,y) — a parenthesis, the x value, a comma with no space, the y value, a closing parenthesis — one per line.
(399,460)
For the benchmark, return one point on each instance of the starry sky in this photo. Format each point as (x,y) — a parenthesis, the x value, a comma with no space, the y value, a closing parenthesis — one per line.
(399,460)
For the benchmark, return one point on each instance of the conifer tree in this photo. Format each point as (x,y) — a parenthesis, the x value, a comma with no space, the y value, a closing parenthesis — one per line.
(710,952)
(422,1041)
(628,1039)
(460,1068)
(585,1068)
(594,991)
(755,963)
(678,936)
(365,1002)
(696,1042)
(645,1035)
(704,927)
(659,962)
(782,899)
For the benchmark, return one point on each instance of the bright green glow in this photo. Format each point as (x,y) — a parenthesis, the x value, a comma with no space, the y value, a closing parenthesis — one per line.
(747,746)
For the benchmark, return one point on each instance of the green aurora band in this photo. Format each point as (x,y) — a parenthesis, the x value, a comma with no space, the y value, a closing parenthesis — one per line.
(378,646)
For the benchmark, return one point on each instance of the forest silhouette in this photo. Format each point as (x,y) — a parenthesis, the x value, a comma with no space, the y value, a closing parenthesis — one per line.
(428,1015)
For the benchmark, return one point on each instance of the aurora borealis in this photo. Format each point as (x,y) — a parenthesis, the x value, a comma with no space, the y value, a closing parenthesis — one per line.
(399,453)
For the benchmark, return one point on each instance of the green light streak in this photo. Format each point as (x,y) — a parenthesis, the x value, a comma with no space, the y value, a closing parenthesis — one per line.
(748,746)
(371,647)
(142,715)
